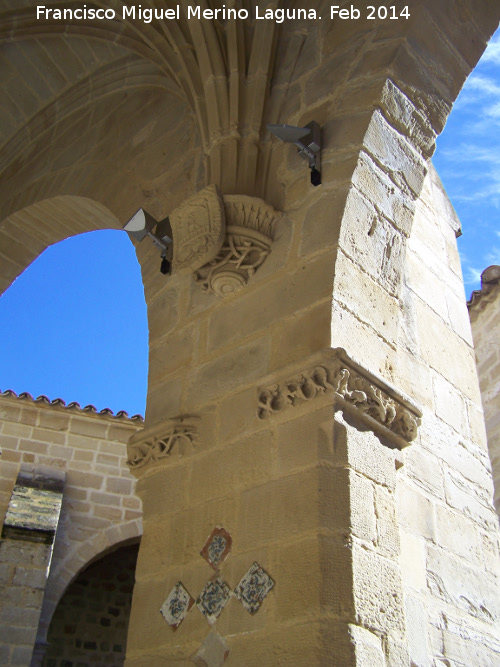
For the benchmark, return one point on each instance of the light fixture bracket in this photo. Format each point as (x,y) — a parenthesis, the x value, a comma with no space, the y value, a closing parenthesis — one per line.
(308,141)
(141,224)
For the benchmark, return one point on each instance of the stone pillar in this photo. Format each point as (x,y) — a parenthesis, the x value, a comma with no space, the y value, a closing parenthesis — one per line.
(269,520)
(282,542)
(25,553)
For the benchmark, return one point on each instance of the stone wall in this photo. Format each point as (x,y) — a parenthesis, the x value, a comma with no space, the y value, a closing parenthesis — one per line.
(448,531)
(484,311)
(99,507)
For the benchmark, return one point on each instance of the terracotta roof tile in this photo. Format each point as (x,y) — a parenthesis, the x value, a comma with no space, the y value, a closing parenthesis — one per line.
(59,402)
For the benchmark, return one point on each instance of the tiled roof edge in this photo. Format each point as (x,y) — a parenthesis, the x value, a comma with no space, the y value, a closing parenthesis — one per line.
(60,403)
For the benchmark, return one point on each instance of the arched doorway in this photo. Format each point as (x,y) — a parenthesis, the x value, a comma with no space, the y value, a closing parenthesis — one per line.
(90,623)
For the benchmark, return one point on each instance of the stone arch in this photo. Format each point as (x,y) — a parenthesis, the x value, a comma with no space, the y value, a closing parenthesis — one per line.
(27,233)
(77,560)
(382,94)
(71,631)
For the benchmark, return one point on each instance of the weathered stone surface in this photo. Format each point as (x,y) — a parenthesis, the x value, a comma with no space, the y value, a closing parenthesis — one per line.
(378,593)
(368,646)
(485,320)
(415,510)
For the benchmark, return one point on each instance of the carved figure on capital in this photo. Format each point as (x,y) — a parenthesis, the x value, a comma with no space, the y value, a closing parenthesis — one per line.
(355,390)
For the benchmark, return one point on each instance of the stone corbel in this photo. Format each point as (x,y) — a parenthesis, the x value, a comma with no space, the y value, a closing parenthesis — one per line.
(354,389)
(222,240)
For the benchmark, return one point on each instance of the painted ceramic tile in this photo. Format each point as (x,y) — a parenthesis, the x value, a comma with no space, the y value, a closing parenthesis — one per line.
(213,598)
(176,606)
(253,588)
(217,547)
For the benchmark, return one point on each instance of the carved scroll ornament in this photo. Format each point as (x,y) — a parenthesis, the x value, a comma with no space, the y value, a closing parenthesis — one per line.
(357,393)
(177,438)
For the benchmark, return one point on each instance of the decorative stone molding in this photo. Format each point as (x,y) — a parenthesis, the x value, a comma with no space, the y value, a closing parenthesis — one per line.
(198,227)
(246,245)
(355,389)
(244,250)
(222,240)
(145,448)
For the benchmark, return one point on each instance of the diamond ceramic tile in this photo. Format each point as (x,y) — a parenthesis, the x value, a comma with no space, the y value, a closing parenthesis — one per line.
(253,588)
(217,547)
(213,652)
(213,598)
(176,606)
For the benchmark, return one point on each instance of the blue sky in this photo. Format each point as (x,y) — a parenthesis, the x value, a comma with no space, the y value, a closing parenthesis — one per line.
(74,325)
(468,160)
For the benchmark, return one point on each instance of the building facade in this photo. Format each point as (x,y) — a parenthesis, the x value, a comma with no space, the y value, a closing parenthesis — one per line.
(67,498)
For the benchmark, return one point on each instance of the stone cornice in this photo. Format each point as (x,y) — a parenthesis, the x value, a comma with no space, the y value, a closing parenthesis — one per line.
(490,286)
(353,389)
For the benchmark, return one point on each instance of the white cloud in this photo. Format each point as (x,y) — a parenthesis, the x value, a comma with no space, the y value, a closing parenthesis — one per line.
(492,53)
(483,92)
(484,84)
(472,276)
(493,111)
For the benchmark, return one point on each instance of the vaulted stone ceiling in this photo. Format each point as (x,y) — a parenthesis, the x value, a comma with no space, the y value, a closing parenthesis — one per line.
(62,76)
(129,113)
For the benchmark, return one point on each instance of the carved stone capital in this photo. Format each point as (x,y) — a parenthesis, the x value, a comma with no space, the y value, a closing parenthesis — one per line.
(247,243)
(148,447)
(354,389)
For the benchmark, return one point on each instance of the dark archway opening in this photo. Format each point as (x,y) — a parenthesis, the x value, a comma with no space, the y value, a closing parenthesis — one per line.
(90,624)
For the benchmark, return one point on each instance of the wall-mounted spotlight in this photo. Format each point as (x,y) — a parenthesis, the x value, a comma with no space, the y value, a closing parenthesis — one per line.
(141,225)
(308,141)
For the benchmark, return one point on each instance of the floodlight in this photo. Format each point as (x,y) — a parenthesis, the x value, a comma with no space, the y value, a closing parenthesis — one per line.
(288,133)
(308,141)
(141,225)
